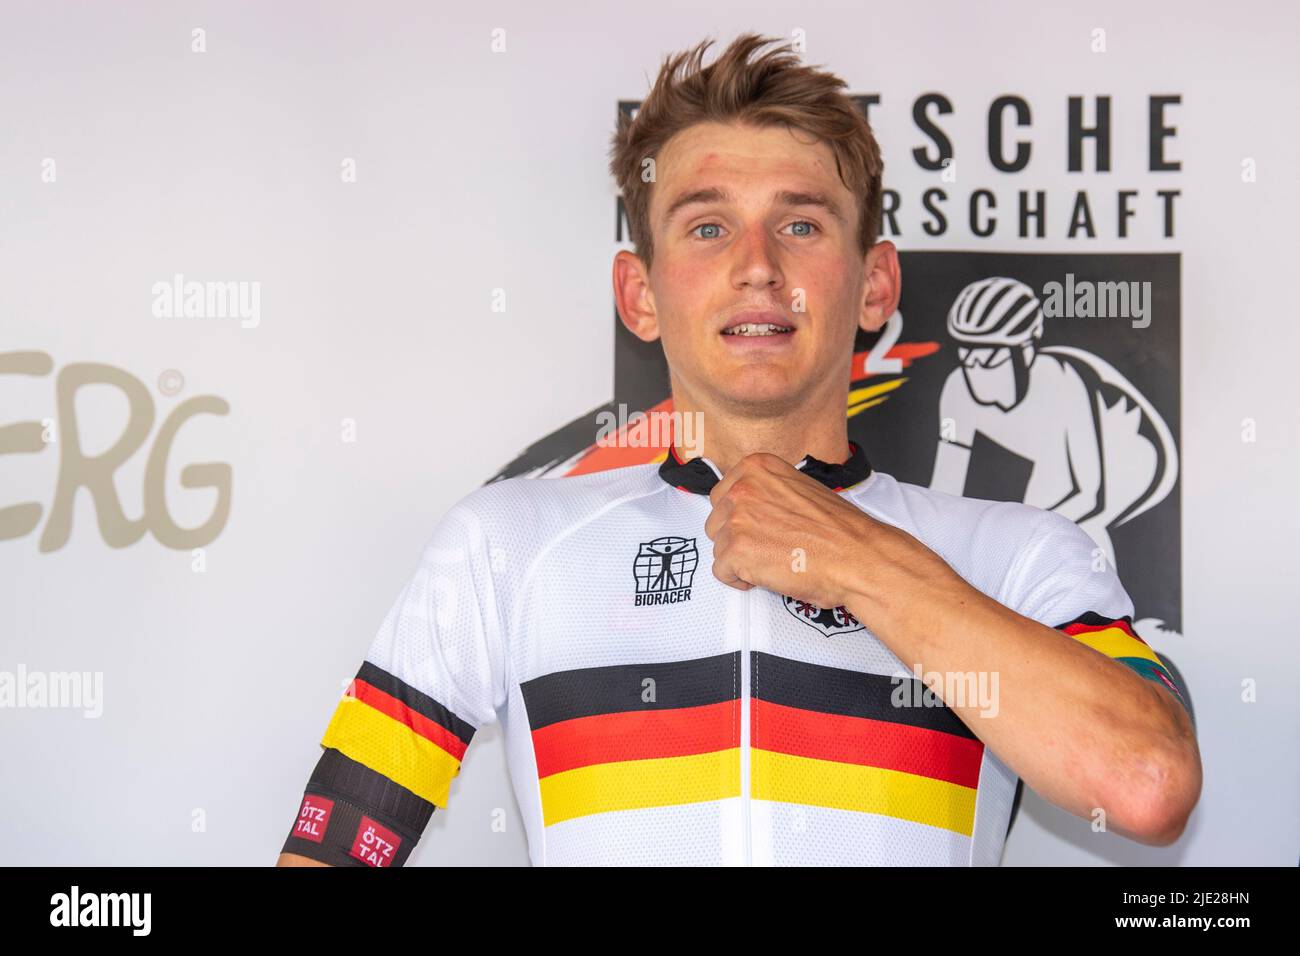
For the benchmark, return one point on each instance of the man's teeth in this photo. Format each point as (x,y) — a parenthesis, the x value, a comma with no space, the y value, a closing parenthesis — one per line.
(758,328)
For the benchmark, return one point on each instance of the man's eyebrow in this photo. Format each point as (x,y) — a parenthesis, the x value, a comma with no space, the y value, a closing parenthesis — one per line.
(786,197)
(693,197)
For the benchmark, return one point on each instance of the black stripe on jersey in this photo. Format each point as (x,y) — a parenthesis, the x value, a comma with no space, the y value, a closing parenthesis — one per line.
(417,700)
(834,690)
(588,691)
(1093,619)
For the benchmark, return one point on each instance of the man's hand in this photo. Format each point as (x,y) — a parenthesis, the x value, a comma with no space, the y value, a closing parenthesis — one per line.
(773,526)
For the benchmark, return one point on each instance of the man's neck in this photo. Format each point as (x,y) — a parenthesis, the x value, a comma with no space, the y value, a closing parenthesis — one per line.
(725,438)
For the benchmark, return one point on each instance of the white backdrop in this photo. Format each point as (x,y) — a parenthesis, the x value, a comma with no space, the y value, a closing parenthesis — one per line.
(377,386)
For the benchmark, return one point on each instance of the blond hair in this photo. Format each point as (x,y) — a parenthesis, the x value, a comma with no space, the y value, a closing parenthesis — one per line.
(774,89)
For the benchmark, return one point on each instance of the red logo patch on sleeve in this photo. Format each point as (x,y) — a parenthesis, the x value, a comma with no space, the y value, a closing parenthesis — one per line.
(375,844)
(313,818)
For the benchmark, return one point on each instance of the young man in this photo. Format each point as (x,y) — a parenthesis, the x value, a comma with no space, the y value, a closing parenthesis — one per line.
(715,660)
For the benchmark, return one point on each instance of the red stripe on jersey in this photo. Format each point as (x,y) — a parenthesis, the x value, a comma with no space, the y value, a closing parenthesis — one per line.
(636,735)
(868,742)
(386,703)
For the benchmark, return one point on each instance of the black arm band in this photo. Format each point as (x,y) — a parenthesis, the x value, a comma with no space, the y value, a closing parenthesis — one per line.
(352,816)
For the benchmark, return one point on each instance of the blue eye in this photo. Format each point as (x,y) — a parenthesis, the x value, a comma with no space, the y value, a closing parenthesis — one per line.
(716,226)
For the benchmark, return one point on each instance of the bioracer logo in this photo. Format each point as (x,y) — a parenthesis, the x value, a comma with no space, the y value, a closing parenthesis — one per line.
(664,569)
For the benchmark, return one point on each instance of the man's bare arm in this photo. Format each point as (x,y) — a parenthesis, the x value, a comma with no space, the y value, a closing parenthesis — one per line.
(295,859)
(1082,730)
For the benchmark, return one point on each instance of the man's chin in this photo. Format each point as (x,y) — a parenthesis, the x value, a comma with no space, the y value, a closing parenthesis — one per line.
(768,401)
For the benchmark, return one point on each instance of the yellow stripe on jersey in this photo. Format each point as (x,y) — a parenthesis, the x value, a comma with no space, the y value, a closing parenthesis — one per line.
(391,748)
(633,784)
(844,786)
(1116,642)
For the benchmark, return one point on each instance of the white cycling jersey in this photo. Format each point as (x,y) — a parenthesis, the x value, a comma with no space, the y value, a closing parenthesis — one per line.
(653,715)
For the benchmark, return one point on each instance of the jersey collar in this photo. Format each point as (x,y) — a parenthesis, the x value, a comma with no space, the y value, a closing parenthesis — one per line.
(699,475)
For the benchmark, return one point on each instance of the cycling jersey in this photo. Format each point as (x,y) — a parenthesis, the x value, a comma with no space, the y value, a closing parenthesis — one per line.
(653,715)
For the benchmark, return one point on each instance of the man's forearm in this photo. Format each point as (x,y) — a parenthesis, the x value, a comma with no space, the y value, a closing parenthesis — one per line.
(1084,731)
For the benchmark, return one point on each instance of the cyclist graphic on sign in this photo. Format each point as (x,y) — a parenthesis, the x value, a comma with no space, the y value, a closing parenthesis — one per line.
(1101,454)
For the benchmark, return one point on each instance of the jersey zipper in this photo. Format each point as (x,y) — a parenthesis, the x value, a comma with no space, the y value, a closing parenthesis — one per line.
(745,711)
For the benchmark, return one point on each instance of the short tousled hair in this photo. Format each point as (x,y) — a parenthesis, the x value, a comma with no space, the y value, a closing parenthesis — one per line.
(775,89)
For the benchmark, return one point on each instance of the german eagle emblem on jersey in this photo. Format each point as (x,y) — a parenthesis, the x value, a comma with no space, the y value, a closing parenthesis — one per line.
(829,620)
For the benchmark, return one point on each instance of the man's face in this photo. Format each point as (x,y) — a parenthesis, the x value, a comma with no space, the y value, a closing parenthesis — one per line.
(754,224)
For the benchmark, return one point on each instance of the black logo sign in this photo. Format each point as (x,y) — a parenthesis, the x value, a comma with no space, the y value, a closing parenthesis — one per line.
(664,569)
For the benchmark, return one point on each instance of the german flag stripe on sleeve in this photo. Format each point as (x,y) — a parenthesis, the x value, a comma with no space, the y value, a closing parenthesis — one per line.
(400,733)
(1116,638)
(629,736)
(829,737)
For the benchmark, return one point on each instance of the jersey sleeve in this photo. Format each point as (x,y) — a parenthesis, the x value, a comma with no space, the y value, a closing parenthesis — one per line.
(1062,579)
(432,676)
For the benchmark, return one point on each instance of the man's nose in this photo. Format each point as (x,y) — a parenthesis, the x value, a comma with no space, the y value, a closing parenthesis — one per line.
(758,255)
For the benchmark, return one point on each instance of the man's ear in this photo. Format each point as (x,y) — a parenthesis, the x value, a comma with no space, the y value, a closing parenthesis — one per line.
(884,286)
(632,296)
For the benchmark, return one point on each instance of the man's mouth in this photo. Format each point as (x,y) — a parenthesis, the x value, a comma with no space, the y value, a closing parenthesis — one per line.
(757,328)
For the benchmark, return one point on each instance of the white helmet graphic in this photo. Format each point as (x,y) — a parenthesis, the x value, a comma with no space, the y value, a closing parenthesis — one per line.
(996,311)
